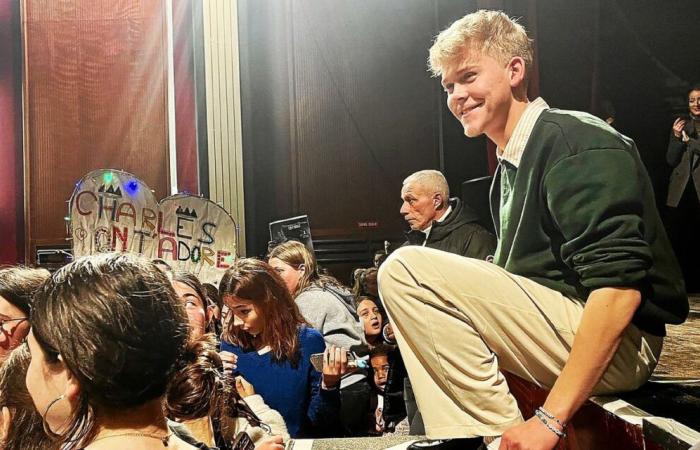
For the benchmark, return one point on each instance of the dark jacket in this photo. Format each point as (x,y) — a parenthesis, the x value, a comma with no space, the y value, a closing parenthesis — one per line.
(582,216)
(459,233)
(684,157)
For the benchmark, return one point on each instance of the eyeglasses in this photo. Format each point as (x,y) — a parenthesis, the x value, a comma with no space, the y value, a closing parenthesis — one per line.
(4,321)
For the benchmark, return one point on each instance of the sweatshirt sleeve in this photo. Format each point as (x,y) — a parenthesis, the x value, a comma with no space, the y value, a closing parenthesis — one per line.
(325,313)
(480,245)
(675,150)
(596,200)
(268,416)
(324,406)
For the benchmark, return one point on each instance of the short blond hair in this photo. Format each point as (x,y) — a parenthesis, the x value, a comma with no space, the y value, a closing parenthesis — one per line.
(491,32)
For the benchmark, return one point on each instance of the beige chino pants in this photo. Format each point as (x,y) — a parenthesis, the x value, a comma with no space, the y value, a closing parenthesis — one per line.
(460,321)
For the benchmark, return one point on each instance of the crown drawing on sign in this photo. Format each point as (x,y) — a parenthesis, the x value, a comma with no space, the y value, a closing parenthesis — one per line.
(186,212)
(110,190)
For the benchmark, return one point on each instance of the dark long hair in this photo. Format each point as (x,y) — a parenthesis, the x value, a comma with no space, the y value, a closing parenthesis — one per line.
(120,330)
(199,388)
(26,431)
(18,284)
(257,282)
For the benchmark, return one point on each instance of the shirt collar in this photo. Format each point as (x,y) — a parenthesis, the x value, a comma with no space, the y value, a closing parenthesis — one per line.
(441,219)
(521,134)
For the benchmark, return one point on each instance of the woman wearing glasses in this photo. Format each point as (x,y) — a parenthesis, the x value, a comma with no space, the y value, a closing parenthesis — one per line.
(17,284)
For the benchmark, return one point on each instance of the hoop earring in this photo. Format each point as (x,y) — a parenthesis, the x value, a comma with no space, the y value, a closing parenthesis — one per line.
(47,428)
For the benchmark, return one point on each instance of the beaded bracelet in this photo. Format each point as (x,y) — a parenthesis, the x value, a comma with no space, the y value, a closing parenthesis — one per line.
(540,415)
(551,417)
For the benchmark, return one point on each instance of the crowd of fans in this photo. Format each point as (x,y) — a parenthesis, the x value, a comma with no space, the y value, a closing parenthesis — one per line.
(115,351)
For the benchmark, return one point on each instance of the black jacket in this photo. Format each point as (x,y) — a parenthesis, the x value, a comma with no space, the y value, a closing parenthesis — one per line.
(459,233)
(684,157)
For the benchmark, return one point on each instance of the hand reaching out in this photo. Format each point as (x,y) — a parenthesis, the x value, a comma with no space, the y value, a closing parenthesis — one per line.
(244,388)
(271,443)
(335,365)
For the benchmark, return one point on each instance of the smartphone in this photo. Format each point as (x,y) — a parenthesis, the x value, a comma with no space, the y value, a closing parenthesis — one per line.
(242,442)
(353,363)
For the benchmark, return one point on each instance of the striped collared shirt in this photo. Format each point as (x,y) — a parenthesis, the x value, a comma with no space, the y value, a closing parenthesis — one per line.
(521,134)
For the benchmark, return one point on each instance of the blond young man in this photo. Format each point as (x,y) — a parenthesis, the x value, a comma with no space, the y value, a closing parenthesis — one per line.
(583,280)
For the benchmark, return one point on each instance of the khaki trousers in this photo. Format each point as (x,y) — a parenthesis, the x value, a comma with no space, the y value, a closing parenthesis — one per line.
(460,321)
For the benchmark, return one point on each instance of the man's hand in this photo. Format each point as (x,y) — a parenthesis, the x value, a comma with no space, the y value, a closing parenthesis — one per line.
(678,126)
(606,316)
(531,435)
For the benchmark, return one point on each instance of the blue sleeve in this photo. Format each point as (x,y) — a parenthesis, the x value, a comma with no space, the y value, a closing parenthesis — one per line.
(228,347)
(324,407)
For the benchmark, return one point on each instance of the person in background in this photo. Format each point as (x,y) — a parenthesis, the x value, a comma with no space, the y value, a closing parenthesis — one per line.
(269,344)
(214,408)
(683,200)
(330,308)
(366,283)
(197,306)
(20,423)
(440,222)
(107,333)
(217,306)
(372,319)
(17,285)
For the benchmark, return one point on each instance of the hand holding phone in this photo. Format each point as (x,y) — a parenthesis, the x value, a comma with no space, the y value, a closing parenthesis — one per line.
(353,362)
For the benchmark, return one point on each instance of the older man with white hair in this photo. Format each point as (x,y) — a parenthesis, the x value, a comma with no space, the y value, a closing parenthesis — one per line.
(440,222)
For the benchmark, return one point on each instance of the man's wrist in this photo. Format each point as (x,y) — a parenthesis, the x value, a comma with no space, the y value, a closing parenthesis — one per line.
(559,410)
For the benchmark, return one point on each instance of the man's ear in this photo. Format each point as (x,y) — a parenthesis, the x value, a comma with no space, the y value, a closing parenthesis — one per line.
(516,71)
(438,202)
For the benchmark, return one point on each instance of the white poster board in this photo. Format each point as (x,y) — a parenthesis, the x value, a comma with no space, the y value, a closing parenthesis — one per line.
(113,210)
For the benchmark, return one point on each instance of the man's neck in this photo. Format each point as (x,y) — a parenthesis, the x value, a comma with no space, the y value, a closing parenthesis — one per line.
(439,215)
(515,112)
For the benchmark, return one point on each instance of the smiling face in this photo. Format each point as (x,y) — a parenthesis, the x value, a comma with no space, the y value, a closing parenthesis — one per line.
(694,103)
(371,318)
(197,313)
(245,314)
(479,92)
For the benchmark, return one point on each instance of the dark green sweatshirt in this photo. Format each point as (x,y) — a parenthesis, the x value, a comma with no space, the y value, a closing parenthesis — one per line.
(581,216)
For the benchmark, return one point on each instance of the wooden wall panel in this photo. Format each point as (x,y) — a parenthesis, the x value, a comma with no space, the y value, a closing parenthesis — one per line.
(11,188)
(366,110)
(95,97)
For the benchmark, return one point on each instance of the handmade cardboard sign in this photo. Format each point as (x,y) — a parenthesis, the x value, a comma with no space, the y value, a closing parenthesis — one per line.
(112,210)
